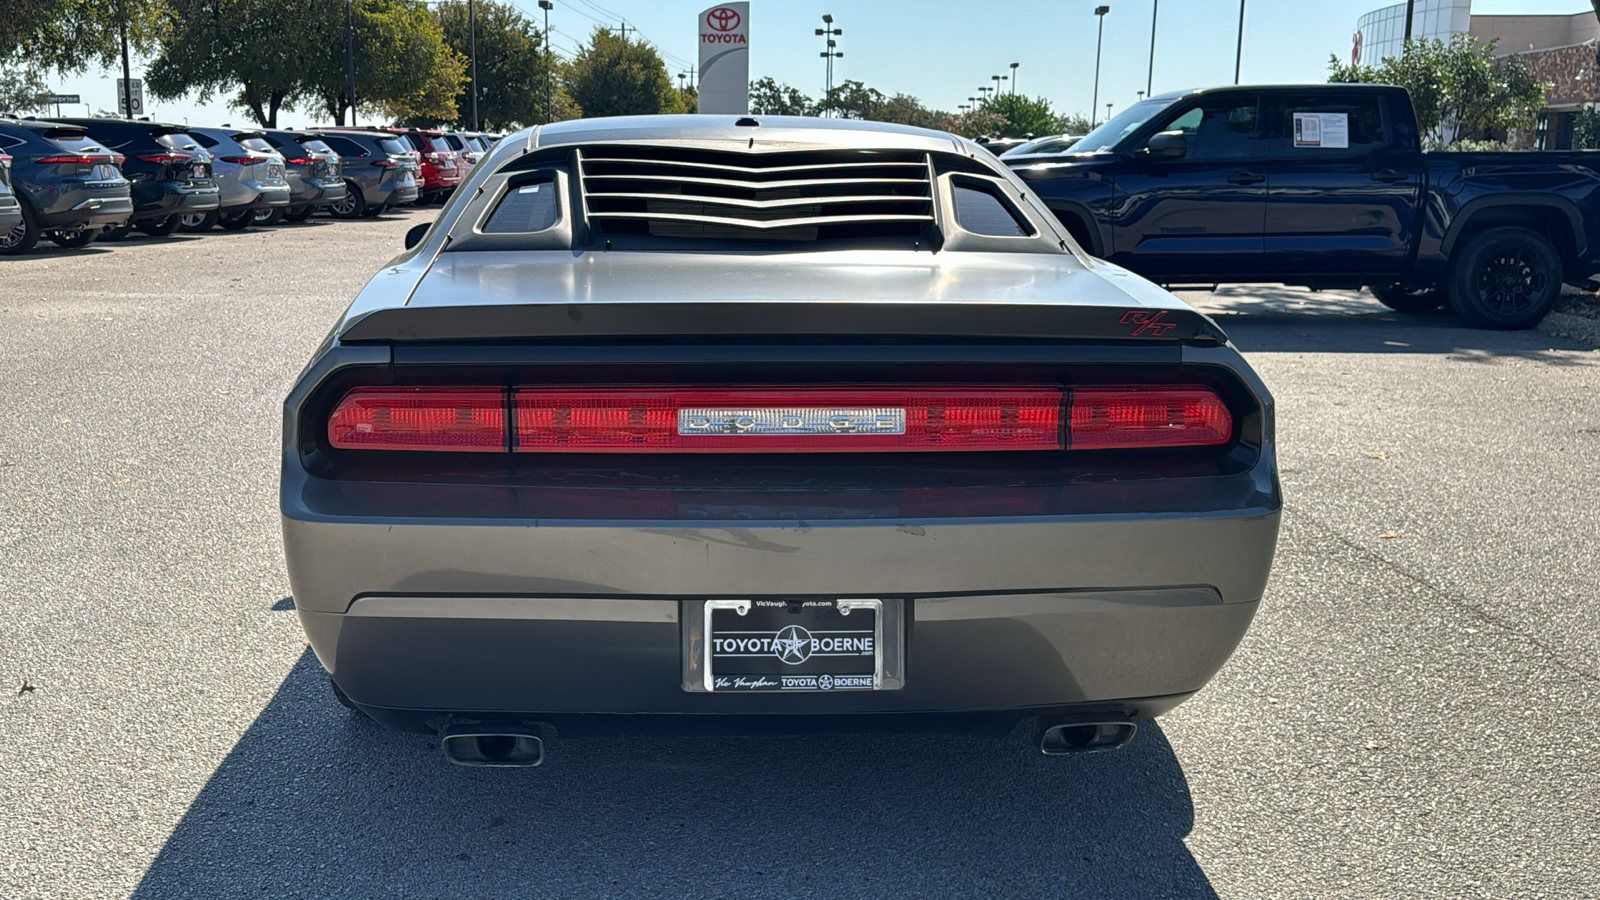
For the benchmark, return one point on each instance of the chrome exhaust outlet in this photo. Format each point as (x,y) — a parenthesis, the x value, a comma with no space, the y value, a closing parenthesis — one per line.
(1059,738)
(493,746)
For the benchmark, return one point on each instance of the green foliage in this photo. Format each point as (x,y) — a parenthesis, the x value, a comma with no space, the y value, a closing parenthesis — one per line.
(20,90)
(769,97)
(1023,115)
(74,35)
(974,123)
(256,50)
(852,100)
(1586,129)
(904,109)
(615,76)
(404,68)
(1471,146)
(1458,88)
(513,69)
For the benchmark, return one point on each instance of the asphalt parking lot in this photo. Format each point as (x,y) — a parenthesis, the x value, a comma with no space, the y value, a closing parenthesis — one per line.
(1412,715)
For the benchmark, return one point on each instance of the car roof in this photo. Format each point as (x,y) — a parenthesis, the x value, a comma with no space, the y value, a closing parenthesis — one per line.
(773,131)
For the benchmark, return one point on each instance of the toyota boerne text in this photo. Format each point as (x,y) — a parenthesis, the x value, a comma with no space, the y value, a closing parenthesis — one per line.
(768,424)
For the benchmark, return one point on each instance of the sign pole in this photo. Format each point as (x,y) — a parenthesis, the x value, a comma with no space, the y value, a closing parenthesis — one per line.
(127,73)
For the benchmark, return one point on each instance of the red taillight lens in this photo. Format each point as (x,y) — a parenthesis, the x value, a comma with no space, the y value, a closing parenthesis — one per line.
(167,158)
(243,160)
(1108,418)
(786,421)
(471,419)
(68,160)
(297,162)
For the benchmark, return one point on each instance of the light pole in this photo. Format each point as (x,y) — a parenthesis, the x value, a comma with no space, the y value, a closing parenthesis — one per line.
(549,70)
(830,54)
(1014,77)
(472,50)
(350,54)
(1108,112)
(1094,105)
(997,80)
(1150,76)
(1238,53)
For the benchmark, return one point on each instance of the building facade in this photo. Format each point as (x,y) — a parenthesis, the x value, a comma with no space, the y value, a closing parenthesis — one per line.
(1562,50)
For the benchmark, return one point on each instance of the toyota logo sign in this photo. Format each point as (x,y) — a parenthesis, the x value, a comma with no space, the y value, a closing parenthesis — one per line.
(723,19)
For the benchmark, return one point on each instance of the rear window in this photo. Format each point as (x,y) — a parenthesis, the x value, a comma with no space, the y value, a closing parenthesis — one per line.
(181,141)
(980,210)
(440,145)
(528,206)
(393,146)
(257,144)
(315,146)
(78,142)
(454,142)
(346,147)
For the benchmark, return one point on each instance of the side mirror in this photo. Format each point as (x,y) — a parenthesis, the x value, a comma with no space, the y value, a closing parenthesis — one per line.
(1167,145)
(415,234)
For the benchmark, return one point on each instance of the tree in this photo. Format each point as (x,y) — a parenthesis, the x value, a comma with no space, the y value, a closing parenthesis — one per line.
(257,50)
(1024,115)
(904,109)
(20,90)
(404,68)
(1458,89)
(853,100)
(513,69)
(615,76)
(74,35)
(769,97)
(974,123)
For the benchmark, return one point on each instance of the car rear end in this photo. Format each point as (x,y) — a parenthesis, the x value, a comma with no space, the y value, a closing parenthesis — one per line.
(312,170)
(248,169)
(70,180)
(168,171)
(715,440)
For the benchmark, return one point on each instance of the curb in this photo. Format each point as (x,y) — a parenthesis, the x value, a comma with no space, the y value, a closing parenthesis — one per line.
(1584,330)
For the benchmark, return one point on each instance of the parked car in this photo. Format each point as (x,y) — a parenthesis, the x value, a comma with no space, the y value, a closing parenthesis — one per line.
(467,153)
(168,170)
(635,435)
(1045,146)
(10,211)
(441,172)
(312,168)
(249,171)
(1326,185)
(66,185)
(378,171)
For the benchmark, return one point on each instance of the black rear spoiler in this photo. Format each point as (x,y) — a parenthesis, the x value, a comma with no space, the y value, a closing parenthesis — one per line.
(522,323)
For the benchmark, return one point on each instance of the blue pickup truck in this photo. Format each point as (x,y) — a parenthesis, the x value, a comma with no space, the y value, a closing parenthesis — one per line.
(1326,186)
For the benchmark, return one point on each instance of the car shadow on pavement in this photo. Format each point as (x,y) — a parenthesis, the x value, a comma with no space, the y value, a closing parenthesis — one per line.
(315,801)
(1270,318)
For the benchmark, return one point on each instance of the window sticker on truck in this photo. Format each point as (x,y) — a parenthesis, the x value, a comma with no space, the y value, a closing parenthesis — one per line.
(1325,130)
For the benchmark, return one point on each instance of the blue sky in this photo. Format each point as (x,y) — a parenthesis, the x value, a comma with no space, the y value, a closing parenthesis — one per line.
(942,50)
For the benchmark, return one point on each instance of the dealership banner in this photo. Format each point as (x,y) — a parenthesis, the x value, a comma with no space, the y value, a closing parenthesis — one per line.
(725,59)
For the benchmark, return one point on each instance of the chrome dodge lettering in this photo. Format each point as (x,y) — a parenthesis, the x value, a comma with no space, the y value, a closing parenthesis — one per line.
(792,421)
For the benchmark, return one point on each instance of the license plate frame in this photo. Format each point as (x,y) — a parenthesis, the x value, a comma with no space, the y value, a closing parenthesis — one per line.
(784,645)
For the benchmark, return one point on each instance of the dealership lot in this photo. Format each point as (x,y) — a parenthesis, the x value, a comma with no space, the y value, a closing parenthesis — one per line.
(1412,714)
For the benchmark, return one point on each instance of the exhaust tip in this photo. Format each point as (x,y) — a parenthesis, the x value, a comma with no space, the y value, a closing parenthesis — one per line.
(1085,736)
(500,748)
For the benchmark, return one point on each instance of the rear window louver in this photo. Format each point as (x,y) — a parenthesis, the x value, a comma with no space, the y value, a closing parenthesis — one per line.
(787,195)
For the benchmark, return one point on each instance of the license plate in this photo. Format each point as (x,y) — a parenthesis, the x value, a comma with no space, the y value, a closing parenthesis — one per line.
(814,645)
(198,172)
(274,171)
(104,172)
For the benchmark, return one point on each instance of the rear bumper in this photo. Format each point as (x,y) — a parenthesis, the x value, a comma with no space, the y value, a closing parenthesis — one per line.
(533,619)
(317,192)
(10,212)
(259,196)
(166,198)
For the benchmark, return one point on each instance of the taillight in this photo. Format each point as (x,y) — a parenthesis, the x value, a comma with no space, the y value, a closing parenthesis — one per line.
(243,160)
(470,419)
(118,158)
(385,164)
(777,420)
(167,158)
(841,420)
(1109,418)
(298,162)
(68,160)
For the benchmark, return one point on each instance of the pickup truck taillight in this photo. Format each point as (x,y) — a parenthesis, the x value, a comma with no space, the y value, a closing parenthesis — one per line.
(778,420)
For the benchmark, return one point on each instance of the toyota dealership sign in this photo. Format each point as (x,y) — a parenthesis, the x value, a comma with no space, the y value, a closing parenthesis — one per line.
(725,59)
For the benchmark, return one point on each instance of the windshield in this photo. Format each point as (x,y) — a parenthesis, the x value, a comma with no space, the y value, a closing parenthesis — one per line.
(1112,132)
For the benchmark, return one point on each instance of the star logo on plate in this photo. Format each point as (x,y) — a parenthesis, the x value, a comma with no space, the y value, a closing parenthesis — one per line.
(792,645)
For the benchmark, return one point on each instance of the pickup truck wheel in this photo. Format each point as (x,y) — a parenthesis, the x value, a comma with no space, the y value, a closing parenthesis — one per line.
(1504,278)
(1404,299)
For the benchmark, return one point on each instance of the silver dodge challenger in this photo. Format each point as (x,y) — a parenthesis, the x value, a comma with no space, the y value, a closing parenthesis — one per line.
(767,424)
